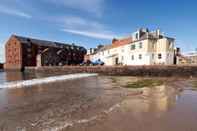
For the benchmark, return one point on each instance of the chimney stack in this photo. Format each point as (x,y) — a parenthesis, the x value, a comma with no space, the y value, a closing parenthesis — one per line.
(158,32)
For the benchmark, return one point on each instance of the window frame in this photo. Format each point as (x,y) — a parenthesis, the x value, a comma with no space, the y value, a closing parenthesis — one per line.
(140,45)
(133,47)
(132,57)
(159,56)
(140,56)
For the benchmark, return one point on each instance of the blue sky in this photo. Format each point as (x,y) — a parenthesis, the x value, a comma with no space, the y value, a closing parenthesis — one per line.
(93,22)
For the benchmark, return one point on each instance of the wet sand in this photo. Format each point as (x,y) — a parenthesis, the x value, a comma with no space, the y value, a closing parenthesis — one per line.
(100,104)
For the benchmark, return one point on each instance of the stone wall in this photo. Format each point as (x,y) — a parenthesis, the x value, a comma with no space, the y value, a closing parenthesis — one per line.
(165,71)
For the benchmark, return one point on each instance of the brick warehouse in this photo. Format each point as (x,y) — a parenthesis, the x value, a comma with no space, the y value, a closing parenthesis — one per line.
(27,52)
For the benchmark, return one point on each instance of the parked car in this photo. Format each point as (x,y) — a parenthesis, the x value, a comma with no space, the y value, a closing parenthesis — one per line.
(92,63)
(98,62)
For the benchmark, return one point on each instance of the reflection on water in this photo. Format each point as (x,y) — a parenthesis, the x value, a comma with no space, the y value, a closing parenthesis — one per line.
(156,100)
(95,104)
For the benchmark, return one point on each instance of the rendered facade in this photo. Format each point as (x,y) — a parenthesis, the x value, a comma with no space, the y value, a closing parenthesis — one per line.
(187,59)
(141,48)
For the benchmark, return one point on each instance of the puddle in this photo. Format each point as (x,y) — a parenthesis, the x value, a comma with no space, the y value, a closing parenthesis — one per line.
(162,109)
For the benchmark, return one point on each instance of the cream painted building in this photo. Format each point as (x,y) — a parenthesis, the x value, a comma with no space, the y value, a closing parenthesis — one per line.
(141,48)
(187,59)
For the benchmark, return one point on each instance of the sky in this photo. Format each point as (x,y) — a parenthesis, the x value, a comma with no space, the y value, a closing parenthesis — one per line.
(92,22)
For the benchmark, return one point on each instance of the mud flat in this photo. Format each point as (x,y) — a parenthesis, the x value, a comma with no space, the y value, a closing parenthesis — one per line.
(102,103)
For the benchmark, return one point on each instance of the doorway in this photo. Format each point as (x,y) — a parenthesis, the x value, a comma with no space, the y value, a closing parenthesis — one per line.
(116,61)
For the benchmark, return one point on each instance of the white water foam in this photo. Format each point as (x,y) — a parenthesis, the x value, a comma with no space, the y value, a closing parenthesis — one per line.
(26,83)
(83,121)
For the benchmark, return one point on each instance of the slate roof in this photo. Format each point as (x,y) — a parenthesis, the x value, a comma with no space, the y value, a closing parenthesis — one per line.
(27,40)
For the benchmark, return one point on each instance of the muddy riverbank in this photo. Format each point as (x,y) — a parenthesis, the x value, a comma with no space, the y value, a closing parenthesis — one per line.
(101,103)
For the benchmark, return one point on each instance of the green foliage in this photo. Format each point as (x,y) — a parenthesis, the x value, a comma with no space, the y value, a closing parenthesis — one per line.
(144,83)
(194,84)
(114,80)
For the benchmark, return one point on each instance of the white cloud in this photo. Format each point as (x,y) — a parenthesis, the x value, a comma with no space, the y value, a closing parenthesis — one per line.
(92,6)
(81,23)
(15,12)
(90,34)
(84,27)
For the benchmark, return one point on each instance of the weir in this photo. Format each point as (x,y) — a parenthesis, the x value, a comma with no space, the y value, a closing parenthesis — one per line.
(26,83)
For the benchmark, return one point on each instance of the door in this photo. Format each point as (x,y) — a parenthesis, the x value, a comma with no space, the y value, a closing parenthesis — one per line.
(116,61)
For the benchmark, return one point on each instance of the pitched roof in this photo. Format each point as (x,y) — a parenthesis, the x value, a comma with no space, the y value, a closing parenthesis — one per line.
(121,42)
(116,43)
(105,47)
(27,40)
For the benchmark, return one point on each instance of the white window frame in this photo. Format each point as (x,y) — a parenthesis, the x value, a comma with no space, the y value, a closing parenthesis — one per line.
(140,45)
(132,57)
(140,56)
(133,47)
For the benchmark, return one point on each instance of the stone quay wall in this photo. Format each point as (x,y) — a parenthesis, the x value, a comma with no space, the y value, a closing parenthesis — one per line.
(163,71)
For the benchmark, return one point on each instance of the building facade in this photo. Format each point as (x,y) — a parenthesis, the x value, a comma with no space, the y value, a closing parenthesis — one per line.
(24,52)
(141,48)
(187,59)
(1,66)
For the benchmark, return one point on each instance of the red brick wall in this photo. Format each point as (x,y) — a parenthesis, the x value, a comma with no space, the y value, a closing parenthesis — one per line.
(13,52)
(20,55)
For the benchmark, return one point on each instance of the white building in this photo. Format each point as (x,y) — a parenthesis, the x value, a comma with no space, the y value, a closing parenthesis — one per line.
(187,59)
(142,48)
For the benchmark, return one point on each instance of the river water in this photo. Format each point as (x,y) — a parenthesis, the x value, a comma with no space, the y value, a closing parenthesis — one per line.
(98,103)
(17,76)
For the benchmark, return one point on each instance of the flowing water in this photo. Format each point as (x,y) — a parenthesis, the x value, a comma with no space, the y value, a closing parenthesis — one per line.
(99,103)
(17,76)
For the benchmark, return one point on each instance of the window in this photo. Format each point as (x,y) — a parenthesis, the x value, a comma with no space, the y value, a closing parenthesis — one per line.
(28,49)
(159,56)
(140,56)
(108,51)
(153,45)
(132,47)
(29,55)
(153,56)
(122,58)
(140,45)
(132,57)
